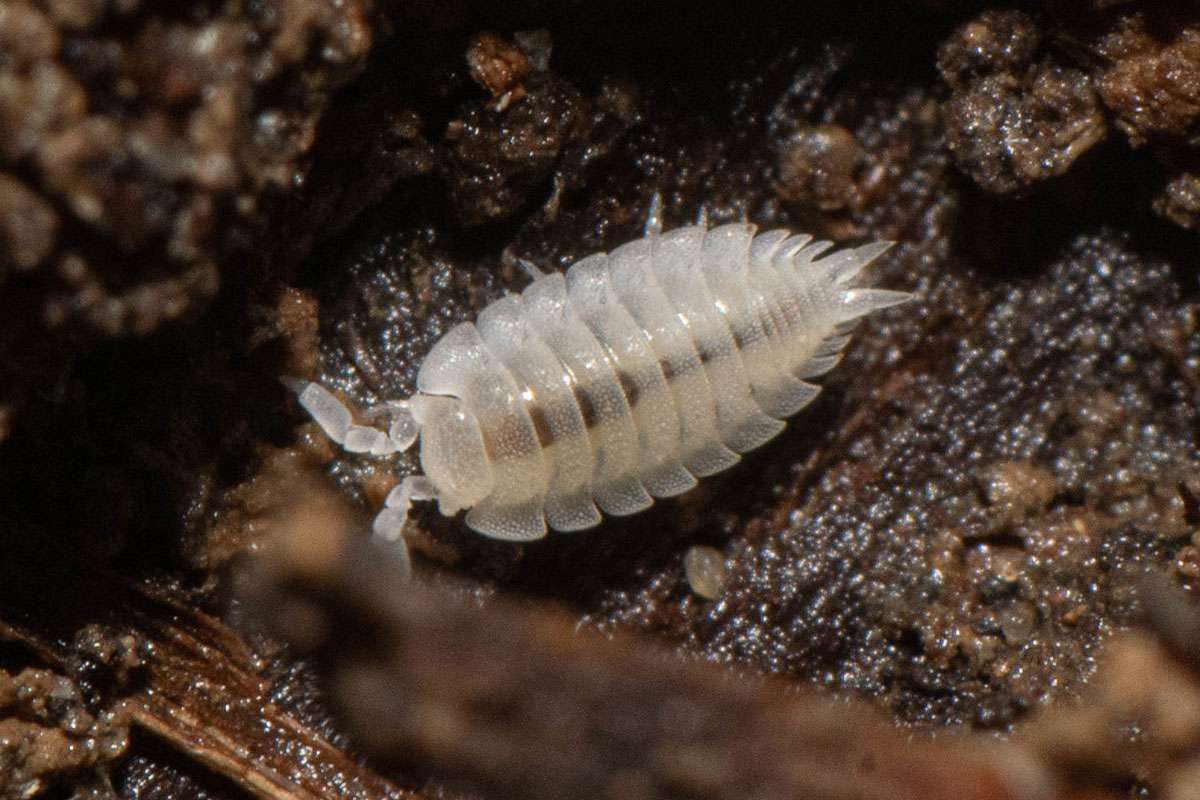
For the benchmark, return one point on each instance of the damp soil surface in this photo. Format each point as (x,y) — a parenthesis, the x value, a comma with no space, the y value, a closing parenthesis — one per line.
(999,482)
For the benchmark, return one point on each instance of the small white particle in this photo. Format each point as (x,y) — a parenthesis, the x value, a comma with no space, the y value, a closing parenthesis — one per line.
(705,570)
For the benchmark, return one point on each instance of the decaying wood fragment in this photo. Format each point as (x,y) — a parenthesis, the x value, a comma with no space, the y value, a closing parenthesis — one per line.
(518,701)
(200,688)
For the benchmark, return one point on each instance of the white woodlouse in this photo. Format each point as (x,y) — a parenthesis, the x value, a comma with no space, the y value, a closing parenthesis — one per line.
(624,380)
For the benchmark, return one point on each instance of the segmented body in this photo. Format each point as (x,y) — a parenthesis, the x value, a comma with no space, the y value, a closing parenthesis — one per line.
(625,379)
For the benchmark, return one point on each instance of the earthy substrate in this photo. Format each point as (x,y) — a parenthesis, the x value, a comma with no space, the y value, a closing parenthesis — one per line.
(195,205)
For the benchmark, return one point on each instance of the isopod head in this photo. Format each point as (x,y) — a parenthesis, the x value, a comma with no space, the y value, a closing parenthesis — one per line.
(453,455)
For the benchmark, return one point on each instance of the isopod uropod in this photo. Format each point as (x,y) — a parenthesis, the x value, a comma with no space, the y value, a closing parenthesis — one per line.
(623,380)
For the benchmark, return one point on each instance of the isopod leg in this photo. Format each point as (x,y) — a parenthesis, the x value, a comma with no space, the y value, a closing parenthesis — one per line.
(509,259)
(654,222)
(388,525)
(531,269)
